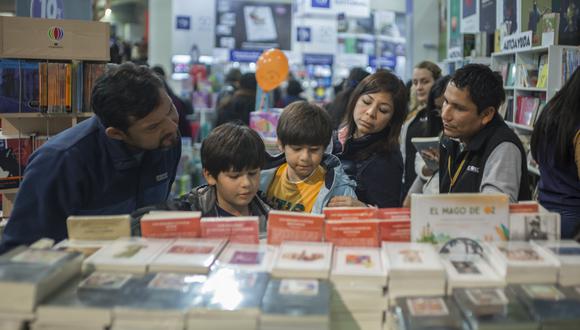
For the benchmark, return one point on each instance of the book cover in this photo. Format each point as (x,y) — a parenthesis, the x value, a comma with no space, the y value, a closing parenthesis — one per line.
(412,256)
(14,154)
(298,297)
(358,261)
(428,312)
(536,226)
(235,229)
(307,258)
(294,226)
(349,213)
(527,207)
(257,257)
(427,144)
(87,248)
(394,224)
(352,232)
(171,224)
(188,255)
(98,227)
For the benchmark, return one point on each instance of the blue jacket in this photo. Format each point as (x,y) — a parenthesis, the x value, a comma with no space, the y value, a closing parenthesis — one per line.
(83,172)
(336,182)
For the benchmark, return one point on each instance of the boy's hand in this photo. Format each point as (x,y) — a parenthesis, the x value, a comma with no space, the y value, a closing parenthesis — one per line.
(345,201)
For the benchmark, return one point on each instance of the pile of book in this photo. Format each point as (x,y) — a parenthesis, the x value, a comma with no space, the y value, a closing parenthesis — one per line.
(428,313)
(567,252)
(303,260)
(469,271)
(359,278)
(415,269)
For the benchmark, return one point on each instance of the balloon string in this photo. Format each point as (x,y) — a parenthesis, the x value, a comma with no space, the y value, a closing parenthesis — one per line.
(262,98)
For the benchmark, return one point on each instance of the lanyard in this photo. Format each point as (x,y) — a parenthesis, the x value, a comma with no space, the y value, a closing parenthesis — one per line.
(455,176)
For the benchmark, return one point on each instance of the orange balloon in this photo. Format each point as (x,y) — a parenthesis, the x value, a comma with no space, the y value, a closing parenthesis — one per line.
(271,69)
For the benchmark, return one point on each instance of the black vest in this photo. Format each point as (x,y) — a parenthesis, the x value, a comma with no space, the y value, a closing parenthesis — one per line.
(479,149)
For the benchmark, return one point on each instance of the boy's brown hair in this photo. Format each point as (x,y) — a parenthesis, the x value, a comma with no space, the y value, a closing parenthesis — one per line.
(303,123)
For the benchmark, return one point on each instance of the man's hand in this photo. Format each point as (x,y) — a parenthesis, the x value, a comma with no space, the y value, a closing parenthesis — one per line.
(345,201)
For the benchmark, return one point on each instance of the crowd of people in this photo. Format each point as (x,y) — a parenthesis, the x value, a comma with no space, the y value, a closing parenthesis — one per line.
(357,152)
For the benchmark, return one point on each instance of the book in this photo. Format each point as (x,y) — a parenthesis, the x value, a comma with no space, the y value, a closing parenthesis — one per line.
(536,226)
(352,232)
(194,256)
(254,257)
(294,226)
(348,213)
(567,252)
(234,229)
(27,276)
(14,154)
(87,248)
(131,255)
(303,260)
(394,224)
(98,227)
(358,264)
(171,224)
(428,313)
(469,271)
(426,144)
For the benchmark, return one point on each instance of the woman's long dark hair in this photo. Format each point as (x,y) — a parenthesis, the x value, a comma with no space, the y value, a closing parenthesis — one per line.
(435,125)
(337,109)
(559,122)
(381,82)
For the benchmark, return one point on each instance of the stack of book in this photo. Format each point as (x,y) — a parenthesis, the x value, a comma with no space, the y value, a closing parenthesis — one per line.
(415,270)
(296,304)
(232,300)
(294,226)
(158,301)
(469,271)
(554,306)
(249,257)
(522,262)
(27,276)
(568,254)
(493,308)
(171,224)
(358,297)
(428,313)
(84,303)
(192,256)
(234,229)
(303,260)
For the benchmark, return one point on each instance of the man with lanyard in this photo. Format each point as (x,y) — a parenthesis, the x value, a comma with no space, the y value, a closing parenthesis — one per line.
(479,152)
(123,158)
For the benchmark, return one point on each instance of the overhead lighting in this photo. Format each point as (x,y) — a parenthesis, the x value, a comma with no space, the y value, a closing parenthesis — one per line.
(108,12)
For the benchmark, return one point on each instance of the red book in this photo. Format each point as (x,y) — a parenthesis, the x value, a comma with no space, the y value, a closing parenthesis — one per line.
(235,229)
(528,207)
(171,224)
(349,213)
(352,232)
(294,226)
(394,224)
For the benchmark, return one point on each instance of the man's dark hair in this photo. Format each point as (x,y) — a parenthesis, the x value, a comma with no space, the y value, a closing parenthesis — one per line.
(303,123)
(234,147)
(124,94)
(485,87)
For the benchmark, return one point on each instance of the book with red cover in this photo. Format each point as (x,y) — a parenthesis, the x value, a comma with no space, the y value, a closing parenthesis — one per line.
(235,229)
(349,213)
(524,207)
(294,226)
(352,232)
(171,224)
(394,224)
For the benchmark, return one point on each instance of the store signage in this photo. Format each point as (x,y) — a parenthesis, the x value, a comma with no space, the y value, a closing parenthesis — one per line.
(46,9)
(244,56)
(320,4)
(383,61)
(183,22)
(318,59)
(517,41)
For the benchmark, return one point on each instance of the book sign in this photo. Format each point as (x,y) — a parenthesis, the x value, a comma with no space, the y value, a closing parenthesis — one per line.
(517,41)
(439,218)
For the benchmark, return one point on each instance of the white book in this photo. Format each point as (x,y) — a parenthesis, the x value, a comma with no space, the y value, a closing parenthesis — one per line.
(470,271)
(303,259)
(188,256)
(411,259)
(126,255)
(536,226)
(250,257)
(567,252)
(86,247)
(358,263)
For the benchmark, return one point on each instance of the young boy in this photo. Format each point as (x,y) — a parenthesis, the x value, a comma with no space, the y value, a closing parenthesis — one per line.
(231,156)
(304,178)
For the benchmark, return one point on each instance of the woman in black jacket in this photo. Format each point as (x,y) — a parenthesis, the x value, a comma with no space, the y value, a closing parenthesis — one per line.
(368,145)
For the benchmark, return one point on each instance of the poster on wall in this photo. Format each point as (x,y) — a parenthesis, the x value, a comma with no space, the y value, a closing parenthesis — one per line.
(314,35)
(531,14)
(487,15)
(248,25)
(469,16)
(569,21)
(455,42)
(507,17)
(193,23)
(442,29)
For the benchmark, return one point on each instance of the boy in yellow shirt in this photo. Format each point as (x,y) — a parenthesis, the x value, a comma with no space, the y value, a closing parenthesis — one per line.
(304,178)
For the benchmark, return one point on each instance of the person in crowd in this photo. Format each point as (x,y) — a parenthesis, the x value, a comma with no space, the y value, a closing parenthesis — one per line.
(479,152)
(293,91)
(556,148)
(241,103)
(427,180)
(337,109)
(231,84)
(424,76)
(183,107)
(121,159)
(368,146)
(303,178)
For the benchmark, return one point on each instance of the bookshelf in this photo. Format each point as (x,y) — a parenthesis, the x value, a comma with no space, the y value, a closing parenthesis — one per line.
(531,78)
(48,67)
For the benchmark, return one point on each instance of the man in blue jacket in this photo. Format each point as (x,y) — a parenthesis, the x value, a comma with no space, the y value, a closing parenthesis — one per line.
(123,158)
